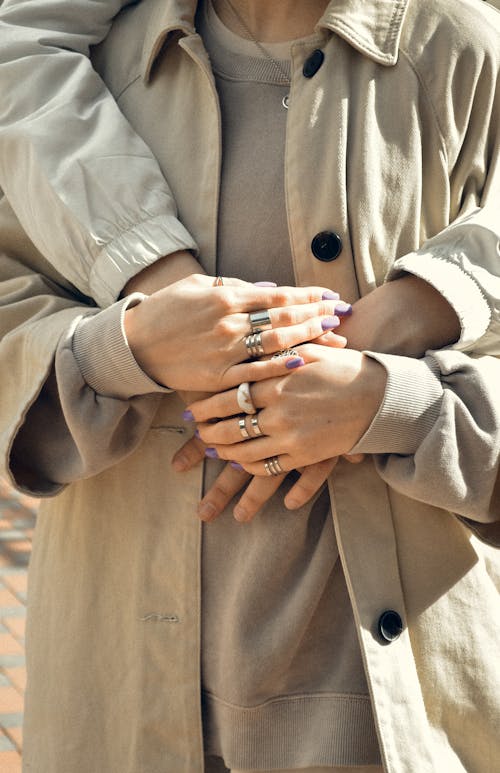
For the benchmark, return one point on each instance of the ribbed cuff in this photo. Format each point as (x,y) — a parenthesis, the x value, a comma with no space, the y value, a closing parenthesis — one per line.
(132,251)
(104,357)
(453,283)
(410,407)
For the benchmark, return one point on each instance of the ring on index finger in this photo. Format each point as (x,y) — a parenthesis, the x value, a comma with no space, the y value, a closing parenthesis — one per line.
(260,320)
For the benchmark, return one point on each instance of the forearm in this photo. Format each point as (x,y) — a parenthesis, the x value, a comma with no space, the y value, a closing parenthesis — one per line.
(164,272)
(406,316)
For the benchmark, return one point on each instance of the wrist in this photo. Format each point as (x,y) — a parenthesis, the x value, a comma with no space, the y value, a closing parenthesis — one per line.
(165,271)
(406,316)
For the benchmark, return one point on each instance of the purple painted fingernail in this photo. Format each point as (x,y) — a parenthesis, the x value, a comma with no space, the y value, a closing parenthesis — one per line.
(343,309)
(329,295)
(329,323)
(197,433)
(236,466)
(211,453)
(265,284)
(296,362)
(187,416)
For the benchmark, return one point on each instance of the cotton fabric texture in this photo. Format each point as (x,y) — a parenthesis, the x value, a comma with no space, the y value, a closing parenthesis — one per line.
(416,523)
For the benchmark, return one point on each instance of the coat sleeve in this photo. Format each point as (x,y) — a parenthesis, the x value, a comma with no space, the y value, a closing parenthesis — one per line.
(42,386)
(85,187)
(436,436)
(463,89)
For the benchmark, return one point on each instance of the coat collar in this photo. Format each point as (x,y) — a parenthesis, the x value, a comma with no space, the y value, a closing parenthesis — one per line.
(373,27)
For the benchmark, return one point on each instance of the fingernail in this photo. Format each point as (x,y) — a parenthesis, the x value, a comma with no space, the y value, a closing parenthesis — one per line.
(240,513)
(206,511)
(197,433)
(236,466)
(343,309)
(296,362)
(211,453)
(187,416)
(329,323)
(180,463)
(266,284)
(329,295)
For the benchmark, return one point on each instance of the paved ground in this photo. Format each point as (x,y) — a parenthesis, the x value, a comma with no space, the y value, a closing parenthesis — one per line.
(17,520)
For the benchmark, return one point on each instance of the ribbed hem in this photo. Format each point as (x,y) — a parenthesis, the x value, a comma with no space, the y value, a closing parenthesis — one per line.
(104,357)
(292,732)
(410,408)
(133,250)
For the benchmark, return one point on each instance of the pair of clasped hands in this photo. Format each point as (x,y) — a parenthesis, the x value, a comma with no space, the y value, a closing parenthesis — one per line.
(312,407)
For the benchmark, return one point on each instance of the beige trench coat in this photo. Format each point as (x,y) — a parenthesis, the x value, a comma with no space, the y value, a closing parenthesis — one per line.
(114,601)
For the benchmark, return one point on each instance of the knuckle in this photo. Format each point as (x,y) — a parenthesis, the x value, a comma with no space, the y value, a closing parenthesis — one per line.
(221,492)
(224,327)
(287,316)
(281,298)
(279,340)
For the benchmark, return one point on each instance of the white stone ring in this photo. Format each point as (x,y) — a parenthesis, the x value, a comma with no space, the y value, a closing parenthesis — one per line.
(244,398)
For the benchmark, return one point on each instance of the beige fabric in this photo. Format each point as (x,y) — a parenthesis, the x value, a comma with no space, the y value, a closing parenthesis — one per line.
(257,711)
(369,769)
(115,567)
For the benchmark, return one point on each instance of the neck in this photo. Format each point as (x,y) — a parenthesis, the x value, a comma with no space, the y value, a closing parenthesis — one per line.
(272,21)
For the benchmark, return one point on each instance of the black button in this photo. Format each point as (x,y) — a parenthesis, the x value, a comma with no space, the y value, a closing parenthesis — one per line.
(390,625)
(326,246)
(313,63)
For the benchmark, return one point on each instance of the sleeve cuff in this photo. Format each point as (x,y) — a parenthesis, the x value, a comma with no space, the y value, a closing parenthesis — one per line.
(123,258)
(410,407)
(104,357)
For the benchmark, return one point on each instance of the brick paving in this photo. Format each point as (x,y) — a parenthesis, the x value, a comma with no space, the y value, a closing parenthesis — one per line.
(17,521)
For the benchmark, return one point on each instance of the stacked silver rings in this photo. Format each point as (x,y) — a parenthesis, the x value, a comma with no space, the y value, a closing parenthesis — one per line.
(272,466)
(254,423)
(253,343)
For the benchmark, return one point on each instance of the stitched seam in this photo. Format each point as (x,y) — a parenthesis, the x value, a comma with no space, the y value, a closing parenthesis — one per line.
(395,23)
(353,698)
(124,89)
(428,97)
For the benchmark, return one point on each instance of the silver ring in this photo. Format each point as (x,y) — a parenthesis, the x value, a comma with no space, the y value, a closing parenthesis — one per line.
(243,428)
(244,398)
(253,343)
(254,421)
(260,320)
(218,281)
(272,466)
(286,353)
